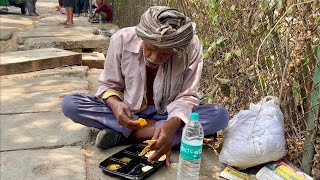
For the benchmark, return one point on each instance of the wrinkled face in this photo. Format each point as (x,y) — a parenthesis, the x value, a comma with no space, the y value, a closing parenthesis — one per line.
(156,56)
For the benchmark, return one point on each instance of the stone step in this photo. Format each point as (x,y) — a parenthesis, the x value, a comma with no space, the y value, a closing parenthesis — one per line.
(93,60)
(44,84)
(39,59)
(48,33)
(68,42)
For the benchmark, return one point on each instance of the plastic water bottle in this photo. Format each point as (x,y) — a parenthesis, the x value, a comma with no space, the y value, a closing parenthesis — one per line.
(191,149)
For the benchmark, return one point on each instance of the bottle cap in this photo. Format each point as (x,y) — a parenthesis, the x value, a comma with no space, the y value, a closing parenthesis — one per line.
(194,116)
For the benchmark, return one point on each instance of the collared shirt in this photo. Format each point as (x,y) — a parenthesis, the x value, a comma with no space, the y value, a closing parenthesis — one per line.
(124,75)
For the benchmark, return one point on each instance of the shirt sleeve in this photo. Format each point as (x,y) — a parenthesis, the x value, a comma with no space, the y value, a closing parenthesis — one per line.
(188,97)
(111,92)
(111,81)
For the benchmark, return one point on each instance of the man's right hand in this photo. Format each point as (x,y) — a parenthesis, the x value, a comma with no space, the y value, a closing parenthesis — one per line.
(122,112)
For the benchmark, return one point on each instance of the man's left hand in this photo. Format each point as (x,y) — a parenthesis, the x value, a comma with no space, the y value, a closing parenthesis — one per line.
(164,135)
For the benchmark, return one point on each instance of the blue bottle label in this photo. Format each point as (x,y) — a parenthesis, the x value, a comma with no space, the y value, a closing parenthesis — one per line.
(189,152)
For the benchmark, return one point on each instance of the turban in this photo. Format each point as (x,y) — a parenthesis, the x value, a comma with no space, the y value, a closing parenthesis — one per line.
(165,27)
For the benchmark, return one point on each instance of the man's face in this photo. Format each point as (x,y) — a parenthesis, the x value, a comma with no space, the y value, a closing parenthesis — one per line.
(155,55)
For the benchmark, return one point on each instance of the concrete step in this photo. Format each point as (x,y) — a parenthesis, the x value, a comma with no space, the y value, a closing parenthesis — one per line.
(93,60)
(81,41)
(48,33)
(41,91)
(39,59)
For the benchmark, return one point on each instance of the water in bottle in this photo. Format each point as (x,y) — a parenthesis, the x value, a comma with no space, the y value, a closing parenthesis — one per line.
(191,149)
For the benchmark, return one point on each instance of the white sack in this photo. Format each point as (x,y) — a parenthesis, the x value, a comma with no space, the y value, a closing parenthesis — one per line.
(254,136)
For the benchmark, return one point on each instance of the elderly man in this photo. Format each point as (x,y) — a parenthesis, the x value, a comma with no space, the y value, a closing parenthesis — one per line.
(153,72)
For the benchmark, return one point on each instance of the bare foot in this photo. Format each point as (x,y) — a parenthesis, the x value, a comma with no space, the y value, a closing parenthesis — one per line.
(63,23)
(69,25)
(33,14)
(145,133)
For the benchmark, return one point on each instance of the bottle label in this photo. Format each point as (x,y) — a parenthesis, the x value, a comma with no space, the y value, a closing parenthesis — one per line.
(189,152)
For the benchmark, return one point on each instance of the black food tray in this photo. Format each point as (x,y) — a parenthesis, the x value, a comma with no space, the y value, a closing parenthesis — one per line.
(132,169)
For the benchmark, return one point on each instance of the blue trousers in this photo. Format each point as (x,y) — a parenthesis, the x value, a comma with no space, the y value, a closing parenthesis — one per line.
(91,111)
(78,6)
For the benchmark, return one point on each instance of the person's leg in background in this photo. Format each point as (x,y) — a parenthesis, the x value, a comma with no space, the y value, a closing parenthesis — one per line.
(77,8)
(31,8)
(69,10)
(34,6)
(81,2)
(68,5)
(85,7)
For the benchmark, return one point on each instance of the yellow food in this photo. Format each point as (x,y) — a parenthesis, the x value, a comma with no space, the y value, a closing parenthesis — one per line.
(149,153)
(125,160)
(142,122)
(147,148)
(144,151)
(162,158)
(113,167)
(150,142)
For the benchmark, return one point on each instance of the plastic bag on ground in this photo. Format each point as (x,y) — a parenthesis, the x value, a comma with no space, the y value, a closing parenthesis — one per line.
(255,136)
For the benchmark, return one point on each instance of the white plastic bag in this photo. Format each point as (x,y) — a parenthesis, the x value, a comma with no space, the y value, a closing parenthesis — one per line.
(255,136)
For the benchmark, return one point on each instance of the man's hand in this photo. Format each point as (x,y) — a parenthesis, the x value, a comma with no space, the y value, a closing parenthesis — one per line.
(122,112)
(164,135)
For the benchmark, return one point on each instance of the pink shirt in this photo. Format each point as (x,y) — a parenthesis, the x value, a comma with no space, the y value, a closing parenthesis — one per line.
(125,71)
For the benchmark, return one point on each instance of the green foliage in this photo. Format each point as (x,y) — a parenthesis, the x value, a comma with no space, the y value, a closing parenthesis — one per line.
(220,40)
(224,86)
(238,53)
(173,3)
(208,52)
(233,7)
(264,5)
(213,10)
(227,57)
(209,97)
(296,93)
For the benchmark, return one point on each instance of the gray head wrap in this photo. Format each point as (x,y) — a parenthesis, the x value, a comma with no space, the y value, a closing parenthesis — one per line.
(165,27)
